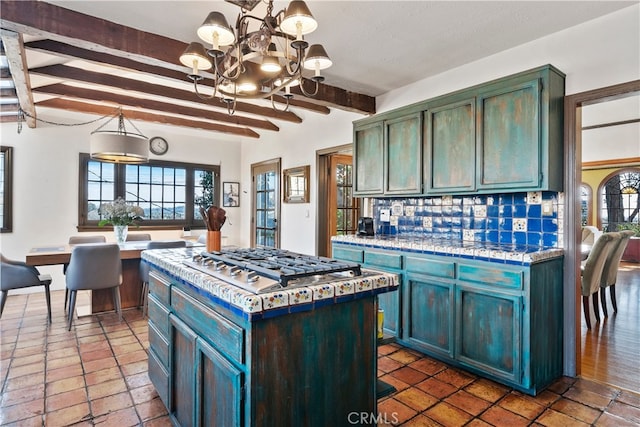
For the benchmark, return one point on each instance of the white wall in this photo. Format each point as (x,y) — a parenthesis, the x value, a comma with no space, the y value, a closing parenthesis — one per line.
(45,177)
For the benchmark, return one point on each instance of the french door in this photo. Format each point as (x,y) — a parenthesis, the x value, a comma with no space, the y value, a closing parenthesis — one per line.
(265,210)
(342,208)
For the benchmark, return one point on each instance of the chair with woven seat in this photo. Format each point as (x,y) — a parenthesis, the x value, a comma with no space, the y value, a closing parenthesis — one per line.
(94,267)
(18,275)
(592,274)
(144,268)
(137,237)
(610,271)
(78,240)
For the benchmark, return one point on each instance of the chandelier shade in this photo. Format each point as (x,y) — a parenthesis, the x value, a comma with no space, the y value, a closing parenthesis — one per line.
(259,57)
(119,145)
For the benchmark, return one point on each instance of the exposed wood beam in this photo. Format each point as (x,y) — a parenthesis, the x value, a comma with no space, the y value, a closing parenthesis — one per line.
(83,107)
(14,51)
(148,104)
(88,32)
(75,52)
(77,74)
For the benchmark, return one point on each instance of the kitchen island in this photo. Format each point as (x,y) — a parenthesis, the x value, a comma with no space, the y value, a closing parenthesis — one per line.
(492,309)
(302,356)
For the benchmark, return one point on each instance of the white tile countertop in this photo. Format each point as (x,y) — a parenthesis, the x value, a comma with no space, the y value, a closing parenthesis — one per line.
(503,253)
(171,262)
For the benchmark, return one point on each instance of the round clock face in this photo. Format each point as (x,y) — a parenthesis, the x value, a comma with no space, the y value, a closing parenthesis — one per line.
(158,145)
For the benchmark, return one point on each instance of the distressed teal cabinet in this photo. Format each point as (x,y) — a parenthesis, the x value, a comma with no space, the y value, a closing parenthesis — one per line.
(498,320)
(388,155)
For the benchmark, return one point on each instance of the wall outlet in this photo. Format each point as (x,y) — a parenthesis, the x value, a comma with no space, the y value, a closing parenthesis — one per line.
(385,215)
(547,208)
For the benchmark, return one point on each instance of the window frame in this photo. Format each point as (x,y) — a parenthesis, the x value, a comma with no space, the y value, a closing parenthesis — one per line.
(120,188)
(601,186)
(7,205)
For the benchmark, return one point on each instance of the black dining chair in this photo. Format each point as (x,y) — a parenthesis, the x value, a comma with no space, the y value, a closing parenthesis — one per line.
(18,275)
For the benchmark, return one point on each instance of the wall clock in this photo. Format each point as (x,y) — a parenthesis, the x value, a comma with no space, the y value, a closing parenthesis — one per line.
(158,145)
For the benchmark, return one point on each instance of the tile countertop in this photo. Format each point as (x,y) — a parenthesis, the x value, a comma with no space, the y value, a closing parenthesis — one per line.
(485,251)
(257,306)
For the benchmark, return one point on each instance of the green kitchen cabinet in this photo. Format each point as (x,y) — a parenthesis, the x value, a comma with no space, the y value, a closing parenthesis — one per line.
(390,302)
(450,147)
(368,159)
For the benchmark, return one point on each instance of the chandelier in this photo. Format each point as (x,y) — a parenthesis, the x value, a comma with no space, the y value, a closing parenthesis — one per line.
(119,145)
(261,58)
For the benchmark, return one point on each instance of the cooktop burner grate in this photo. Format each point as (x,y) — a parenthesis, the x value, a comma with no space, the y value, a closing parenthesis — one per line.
(281,265)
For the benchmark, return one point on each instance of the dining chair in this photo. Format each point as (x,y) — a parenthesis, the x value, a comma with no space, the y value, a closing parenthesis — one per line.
(137,237)
(93,267)
(144,268)
(18,275)
(590,234)
(78,240)
(592,274)
(610,271)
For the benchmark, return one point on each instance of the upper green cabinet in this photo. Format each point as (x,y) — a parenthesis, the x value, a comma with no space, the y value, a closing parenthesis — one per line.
(504,135)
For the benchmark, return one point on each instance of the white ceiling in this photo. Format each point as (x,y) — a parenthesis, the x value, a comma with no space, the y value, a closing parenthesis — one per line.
(378,46)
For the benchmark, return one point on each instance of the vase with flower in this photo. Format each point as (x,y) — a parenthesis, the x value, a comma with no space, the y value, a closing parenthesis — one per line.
(120,215)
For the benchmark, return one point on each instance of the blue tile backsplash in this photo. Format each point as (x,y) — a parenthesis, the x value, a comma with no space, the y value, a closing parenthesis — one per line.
(510,218)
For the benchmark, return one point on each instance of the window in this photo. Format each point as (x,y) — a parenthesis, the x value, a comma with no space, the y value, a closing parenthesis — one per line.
(169,193)
(585,204)
(619,201)
(6,187)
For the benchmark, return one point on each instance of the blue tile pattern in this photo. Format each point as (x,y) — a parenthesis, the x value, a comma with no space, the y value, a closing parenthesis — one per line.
(512,218)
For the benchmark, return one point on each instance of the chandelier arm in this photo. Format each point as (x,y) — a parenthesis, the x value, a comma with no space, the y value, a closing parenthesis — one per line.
(201,96)
(286,108)
(231,111)
(304,92)
(261,95)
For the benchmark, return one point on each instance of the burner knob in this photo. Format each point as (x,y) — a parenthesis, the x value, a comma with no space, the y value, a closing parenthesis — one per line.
(234,271)
(219,265)
(207,261)
(252,277)
(197,258)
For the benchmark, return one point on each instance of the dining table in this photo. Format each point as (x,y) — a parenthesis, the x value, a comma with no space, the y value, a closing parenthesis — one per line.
(101,299)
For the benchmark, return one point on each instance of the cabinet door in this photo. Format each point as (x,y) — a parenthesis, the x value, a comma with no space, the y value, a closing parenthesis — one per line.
(509,137)
(368,152)
(403,153)
(450,134)
(429,324)
(489,331)
(390,302)
(182,375)
(219,386)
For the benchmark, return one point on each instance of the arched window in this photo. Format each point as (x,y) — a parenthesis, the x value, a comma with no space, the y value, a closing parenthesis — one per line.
(619,201)
(585,204)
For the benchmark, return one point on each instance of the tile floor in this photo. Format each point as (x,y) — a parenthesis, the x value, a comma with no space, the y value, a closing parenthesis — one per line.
(97,375)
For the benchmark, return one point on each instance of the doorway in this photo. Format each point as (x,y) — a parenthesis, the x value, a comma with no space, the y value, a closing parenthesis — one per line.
(265,203)
(573,350)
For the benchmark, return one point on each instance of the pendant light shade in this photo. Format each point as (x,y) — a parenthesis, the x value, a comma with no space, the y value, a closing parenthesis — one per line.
(317,58)
(216,31)
(119,146)
(298,19)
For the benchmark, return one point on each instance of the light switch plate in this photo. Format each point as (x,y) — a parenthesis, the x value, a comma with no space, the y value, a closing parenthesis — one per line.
(547,208)
(385,215)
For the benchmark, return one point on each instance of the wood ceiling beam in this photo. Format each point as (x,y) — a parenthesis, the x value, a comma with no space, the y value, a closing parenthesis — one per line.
(148,104)
(77,74)
(14,51)
(88,32)
(74,52)
(83,107)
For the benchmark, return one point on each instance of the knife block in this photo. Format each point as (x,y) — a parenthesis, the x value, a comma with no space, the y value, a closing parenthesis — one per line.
(213,241)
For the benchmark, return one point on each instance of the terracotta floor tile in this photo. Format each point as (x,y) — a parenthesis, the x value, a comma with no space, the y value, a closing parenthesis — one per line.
(35,421)
(63,385)
(467,402)
(625,411)
(91,339)
(610,420)
(416,399)
(22,395)
(546,398)
(386,364)
(487,390)
(40,342)
(455,377)
(138,380)
(448,415)
(32,368)
(436,388)
(601,389)
(501,417)
(28,351)
(28,360)
(576,410)
(151,409)
(551,418)
(476,422)
(135,367)
(136,356)
(396,411)
(428,366)
(62,353)
(629,398)
(66,399)
(63,362)
(588,398)
(68,416)
(113,403)
(399,385)
(418,421)
(387,349)
(561,385)
(95,346)
(129,338)
(404,356)
(159,422)
(95,355)
(108,388)
(522,405)
(408,375)
(123,418)
(143,394)
(127,348)
(22,411)
(64,372)
(96,365)
(25,381)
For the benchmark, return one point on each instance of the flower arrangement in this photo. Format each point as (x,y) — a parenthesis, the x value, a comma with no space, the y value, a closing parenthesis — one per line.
(119,213)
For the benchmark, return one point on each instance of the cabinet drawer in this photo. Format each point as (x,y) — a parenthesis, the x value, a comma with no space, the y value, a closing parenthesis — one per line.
(431,267)
(159,344)
(495,276)
(347,254)
(159,378)
(380,259)
(158,315)
(159,286)
(226,336)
